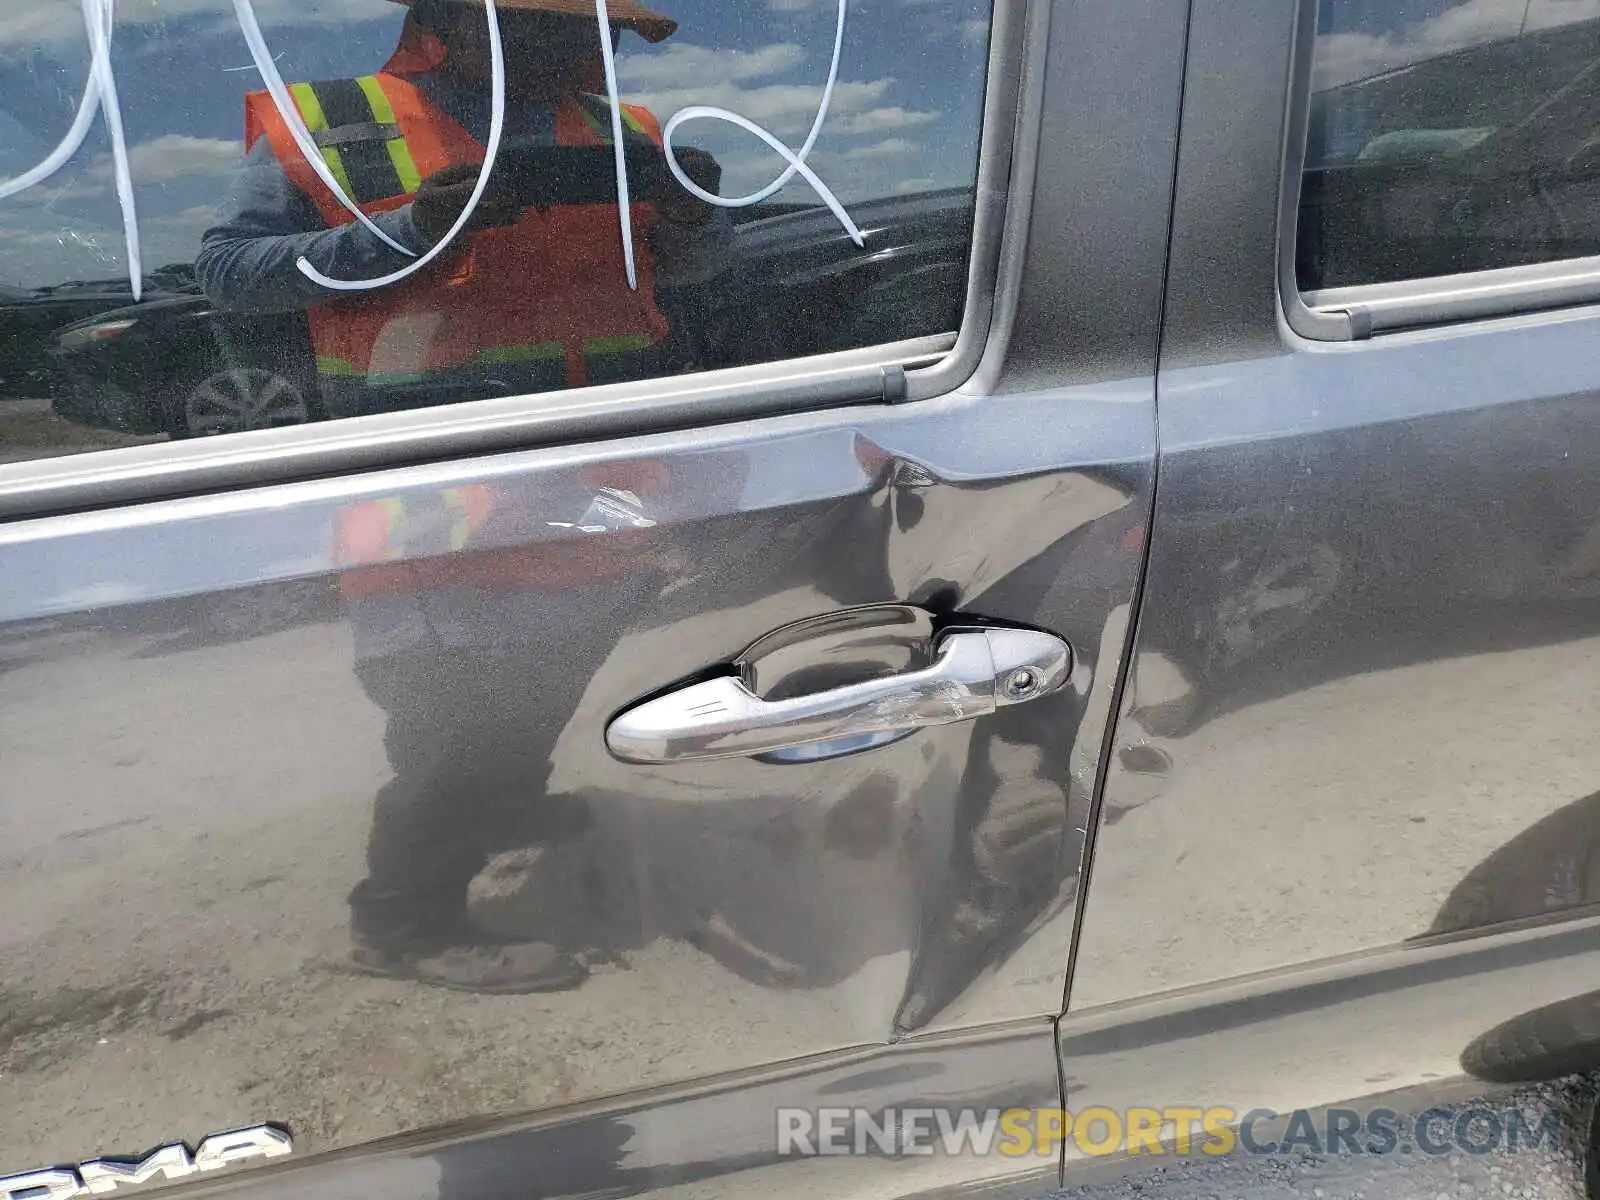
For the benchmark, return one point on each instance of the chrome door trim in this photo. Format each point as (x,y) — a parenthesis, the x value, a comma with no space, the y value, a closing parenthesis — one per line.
(974,673)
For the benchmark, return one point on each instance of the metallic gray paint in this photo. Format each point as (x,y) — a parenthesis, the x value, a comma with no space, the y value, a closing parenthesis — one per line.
(1367,637)
(1351,795)
(1087,263)
(1391,1026)
(195,792)
(716,1137)
(190,765)
(1348,811)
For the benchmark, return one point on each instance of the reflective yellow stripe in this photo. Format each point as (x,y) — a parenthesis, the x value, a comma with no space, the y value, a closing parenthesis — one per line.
(330,154)
(540,352)
(316,122)
(310,106)
(399,153)
(619,344)
(338,368)
(460,518)
(596,114)
(394,512)
(596,126)
(382,111)
(493,356)
(328,365)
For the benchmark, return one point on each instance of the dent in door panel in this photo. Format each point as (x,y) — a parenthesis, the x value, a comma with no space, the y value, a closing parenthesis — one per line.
(193,762)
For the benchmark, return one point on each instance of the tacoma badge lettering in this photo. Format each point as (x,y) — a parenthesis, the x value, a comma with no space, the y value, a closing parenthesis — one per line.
(172,1161)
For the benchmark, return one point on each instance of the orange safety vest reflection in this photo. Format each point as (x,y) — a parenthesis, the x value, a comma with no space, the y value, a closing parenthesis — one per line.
(437,540)
(547,295)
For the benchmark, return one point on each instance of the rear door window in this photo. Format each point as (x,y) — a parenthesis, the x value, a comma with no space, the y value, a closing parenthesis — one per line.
(266,214)
(1450,136)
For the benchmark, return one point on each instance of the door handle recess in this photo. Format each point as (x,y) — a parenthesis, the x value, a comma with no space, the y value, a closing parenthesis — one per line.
(974,672)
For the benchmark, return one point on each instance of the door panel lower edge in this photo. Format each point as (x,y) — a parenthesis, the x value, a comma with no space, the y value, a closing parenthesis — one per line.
(1426,1023)
(723,1133)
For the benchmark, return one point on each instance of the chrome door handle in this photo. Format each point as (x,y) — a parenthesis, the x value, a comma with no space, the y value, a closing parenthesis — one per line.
(974,672)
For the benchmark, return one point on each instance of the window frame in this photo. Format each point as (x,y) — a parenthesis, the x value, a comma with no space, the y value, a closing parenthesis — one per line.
(1361,311)
(886,373)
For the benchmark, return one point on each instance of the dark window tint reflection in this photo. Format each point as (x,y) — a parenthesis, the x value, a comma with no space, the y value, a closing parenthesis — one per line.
(241,213)
(1450,136)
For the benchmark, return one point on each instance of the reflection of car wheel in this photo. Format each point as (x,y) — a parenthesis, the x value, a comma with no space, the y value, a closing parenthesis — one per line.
(1550,867)
(1548,1043)
(232,401)
(1591,1158)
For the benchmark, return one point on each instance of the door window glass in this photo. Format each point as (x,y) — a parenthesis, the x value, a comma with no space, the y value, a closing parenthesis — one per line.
(1449,136)
(218,215)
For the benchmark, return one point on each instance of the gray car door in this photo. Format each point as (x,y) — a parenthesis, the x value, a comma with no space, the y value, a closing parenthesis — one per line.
(1351,806)
(285,710)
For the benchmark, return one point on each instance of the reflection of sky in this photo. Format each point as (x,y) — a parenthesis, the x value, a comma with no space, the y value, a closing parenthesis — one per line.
(1391,16)
(905,116)
(1358,39)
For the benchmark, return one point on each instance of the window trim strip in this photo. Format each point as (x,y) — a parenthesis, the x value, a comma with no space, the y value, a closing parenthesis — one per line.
(169,470)
(1385,307)
(1019,32)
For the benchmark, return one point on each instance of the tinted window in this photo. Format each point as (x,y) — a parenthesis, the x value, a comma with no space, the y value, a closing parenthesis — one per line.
(182,281)
(1450,136)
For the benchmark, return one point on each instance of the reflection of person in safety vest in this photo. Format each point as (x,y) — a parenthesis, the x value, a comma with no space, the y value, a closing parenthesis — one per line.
(479,614)
(533,294)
